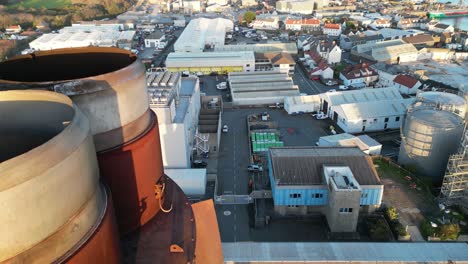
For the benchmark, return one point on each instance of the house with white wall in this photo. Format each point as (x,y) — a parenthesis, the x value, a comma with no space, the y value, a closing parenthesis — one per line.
(406,84)
(381,23)
(155,39)
(442,28)
(358,75)
(331,29)
(330,51)
(270,23)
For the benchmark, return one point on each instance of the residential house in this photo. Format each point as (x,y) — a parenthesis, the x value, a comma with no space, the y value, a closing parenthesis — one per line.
(446,37)
(362,21)
(338,182)
(351,40)
(462,39)
(311,24)
(332,29)
(441,28)
(270,23)
(406,23)
(293,24)
(329,51)
(359,75)
(277,61)
(323,71)
(420,41)
(387,72)
(381,23)
(406,84)
(13,29)
(429,25)
(155,39)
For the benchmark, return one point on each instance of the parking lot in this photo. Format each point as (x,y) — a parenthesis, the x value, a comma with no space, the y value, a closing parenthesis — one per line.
(233,177)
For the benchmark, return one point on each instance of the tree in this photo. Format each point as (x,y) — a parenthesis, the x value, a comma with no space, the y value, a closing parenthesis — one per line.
(249,17)
(350,25)
(448,231)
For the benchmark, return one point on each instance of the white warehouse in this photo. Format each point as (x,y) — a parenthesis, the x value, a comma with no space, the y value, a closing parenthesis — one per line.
(260,88)
(207,62)
(201,32)
(365,110)
(176,102)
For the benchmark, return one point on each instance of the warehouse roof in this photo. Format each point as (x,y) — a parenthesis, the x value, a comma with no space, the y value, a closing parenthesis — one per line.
(290,47)
(202,31)
(375,109)
(345,252)
(390,52)
(303,165)
(418,39)
(363,95)
(207,59)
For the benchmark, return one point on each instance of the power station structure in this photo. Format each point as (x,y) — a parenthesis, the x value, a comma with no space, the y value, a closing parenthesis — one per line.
(431,132)
(105,100)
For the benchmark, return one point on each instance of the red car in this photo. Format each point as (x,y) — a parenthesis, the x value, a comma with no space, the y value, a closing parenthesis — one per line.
(315,78)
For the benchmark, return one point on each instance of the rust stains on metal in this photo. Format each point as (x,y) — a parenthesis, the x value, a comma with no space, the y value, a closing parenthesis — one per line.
(208,248)
(130,171)
(152,242)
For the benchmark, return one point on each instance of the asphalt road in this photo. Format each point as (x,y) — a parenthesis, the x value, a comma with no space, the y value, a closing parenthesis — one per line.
(233,177)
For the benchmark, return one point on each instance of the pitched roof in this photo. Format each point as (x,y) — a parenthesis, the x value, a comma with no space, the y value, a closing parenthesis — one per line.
(421,38)
(405,80)
(332,26)
(358,71)
(310,21)
(303,165)
(442,26)
(381,21)
(276,57)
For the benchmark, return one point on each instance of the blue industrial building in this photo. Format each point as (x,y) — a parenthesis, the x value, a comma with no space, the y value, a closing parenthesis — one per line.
(336,181)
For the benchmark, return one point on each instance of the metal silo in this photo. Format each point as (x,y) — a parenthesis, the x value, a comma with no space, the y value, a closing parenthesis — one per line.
(109,87)
(428,137)
(53,205)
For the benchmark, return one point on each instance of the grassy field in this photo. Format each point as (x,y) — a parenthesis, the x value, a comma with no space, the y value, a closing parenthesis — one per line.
(49,4)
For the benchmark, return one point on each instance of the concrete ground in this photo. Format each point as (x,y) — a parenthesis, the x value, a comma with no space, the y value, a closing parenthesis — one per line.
(234,220)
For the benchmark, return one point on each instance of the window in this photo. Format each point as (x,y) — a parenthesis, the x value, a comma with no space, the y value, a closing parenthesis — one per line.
(317,195)
(386,119)
(375,119)
(247,65)
(295,195)
(397,119)
(293,206)
(364,195)
(346,210)
(364,121)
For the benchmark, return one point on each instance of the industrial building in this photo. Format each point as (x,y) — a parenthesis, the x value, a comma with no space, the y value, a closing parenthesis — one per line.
(365,143)
(84,36)
(208,62)
(390,50)
(176,102)
(289,47)
(98,146)
(302,104)
(260,88)
(203,32)
(431,132)
(365,110)
(338,182)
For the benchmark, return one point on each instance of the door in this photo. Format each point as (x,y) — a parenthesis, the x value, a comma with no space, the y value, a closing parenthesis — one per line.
(335,117)
(325,107)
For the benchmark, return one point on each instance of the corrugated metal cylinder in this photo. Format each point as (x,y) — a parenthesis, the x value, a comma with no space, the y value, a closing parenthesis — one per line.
(109,86)
(48,155)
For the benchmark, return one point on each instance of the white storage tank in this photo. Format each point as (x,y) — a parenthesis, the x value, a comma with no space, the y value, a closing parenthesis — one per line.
(428,137)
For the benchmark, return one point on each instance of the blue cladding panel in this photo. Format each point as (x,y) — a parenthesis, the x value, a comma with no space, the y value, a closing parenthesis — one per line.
(285,196)
(371,196)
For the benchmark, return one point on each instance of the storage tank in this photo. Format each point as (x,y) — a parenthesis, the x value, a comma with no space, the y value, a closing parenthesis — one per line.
(444,101)
(53,205)
(428,137)
(109,86)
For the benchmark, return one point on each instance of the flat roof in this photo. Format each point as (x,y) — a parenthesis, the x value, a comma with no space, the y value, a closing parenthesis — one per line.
(363,95)
(303,165)
(345,252)
(374,109)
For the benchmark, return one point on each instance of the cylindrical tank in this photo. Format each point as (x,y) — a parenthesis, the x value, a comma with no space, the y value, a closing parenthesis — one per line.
(50,194)
(109,86)
(429,136)
(444,101)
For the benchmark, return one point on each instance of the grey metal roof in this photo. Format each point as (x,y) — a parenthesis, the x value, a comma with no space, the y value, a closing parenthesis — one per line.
(303,165)
(345,252)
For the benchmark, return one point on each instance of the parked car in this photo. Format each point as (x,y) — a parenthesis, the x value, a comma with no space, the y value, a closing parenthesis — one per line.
(221,86)
(320,115)
(331,83)
(199,164)
(343,87)
(255,168)
(200,74)
(225,129)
